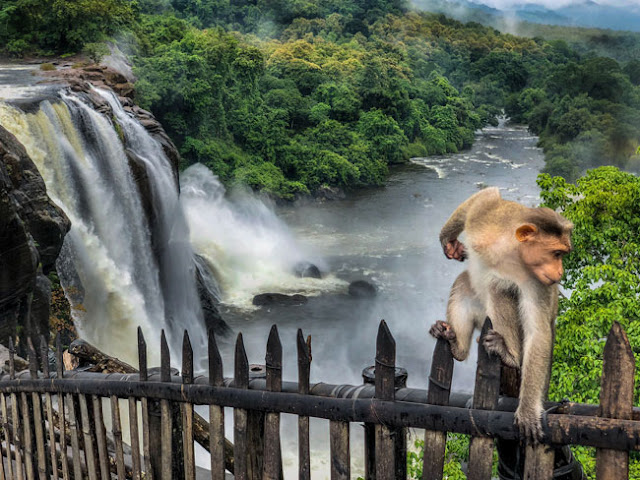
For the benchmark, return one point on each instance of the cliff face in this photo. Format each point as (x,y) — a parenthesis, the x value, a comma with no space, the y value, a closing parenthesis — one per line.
(32,231)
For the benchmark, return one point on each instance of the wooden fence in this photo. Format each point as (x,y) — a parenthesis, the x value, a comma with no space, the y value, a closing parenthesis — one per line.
(53,423)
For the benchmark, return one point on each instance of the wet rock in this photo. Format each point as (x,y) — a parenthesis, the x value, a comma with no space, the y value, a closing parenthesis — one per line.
(33,229)
(212,318)
(268,299)
(307,270)
(362,289)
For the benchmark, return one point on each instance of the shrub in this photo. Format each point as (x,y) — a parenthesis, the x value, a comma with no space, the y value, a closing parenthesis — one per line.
(96,50)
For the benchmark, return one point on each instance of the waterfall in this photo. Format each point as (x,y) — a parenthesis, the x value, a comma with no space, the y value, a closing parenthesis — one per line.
(119,266)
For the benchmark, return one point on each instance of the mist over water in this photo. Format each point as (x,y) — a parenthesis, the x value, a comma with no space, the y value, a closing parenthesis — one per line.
(247,246)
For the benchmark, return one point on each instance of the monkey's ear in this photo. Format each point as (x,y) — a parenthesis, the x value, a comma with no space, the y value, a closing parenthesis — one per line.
(526,232)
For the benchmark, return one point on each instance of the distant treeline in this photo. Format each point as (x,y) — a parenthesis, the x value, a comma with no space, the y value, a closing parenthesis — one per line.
(291,95)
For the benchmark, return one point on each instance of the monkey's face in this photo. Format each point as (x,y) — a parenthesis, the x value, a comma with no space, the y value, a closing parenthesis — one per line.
(542,253)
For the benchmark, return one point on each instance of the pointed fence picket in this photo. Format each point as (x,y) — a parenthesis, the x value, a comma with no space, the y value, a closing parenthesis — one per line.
(53,423)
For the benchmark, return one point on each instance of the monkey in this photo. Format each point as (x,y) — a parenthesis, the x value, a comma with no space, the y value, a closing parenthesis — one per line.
(514,257)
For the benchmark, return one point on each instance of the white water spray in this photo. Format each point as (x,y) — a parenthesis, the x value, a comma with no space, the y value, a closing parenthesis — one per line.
(248,247)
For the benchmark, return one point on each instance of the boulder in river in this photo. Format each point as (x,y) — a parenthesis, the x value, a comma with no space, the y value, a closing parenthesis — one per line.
(307,270)
(268,299)
(362,289)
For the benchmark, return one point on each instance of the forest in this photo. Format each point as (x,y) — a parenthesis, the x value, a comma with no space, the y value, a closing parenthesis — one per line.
(289,97)
(293,96)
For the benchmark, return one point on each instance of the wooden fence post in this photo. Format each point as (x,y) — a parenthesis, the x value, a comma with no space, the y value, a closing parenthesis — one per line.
(485,397)
(151,437)
(616,399)
(385,373)
(187,411)
(166,414)
(44,354)
(272,469)
(438,394)
(61,411)
(216,413)
(240,380)
(304,367)
(15,416)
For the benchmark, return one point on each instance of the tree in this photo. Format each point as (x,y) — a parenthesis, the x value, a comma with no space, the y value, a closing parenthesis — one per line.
(602,280)
(383,134)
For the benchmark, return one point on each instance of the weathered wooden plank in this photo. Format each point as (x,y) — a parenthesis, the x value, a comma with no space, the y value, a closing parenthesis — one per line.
(339,449)
(241,381)
(272,456)
(385,375)
(27,436)
(438,394)
(92,465)
(116,430)
(39,425)
(304,367)
(7,435)
(64,459)
(538,463)
(34,418)
(187,410)
(48,408)
(75,440)
(485,397)
(101,438)
(15,415)
(136,467)
(17,436)
(165,412)
(616,399)
(216,413)
(144,403)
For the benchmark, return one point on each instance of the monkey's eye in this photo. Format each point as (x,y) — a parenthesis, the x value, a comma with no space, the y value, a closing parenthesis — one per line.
(558,253)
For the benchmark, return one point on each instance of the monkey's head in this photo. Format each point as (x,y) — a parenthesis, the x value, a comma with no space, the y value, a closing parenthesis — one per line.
(544,239)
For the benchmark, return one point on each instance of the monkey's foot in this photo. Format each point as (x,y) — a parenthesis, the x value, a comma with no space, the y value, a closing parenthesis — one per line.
(529,423)
(494,344)
(442,329)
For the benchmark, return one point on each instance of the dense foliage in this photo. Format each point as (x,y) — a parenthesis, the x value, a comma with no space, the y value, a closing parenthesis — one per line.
(58,26)
(602,277)
(290,96)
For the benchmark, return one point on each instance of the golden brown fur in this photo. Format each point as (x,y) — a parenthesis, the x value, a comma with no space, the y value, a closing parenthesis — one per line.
(515,264)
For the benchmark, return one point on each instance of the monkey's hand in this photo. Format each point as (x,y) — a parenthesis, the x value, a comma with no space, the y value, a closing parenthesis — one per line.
(494,344)
(442,329)
(528,419)
(455,250)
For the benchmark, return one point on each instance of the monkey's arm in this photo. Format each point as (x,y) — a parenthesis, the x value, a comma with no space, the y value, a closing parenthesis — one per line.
(455,224)
(463,314)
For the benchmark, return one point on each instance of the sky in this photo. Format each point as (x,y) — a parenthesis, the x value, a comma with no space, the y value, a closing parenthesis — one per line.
(501,4)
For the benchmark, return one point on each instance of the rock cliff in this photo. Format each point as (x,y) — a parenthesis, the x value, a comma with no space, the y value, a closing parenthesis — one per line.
(33,229)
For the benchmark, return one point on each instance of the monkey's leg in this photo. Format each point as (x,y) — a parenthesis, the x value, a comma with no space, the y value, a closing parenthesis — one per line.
(505,339)
(538,332)
(463,312)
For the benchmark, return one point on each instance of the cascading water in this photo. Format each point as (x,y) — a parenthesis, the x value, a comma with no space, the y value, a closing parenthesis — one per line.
(117,270)
(249,248)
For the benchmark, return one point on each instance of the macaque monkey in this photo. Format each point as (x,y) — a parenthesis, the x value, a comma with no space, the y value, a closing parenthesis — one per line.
(515,263)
